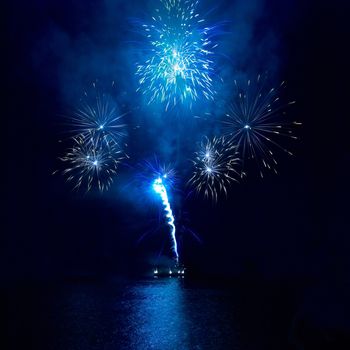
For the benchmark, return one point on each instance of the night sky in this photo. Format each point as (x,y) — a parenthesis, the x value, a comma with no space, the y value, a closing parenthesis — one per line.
(291,225)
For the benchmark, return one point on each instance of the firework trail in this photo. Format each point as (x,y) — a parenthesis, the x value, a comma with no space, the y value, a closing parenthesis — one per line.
(214,167)
(90,162)
(178,65)
(257,122)
(155,177)
(159,188)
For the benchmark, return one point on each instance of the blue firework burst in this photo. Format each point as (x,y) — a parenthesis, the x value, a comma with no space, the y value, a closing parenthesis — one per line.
(178,64)
(257,123)
(98,114)
(90,162)
(215,167)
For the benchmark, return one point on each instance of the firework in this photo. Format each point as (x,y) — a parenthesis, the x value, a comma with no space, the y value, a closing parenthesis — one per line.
(214,167)
(154,169)
(98,114)
(155,177)
(177,65)
(257,123)
(90,162)
(159,188)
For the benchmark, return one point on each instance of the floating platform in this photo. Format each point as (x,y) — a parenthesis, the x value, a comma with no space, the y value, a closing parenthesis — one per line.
(177,271)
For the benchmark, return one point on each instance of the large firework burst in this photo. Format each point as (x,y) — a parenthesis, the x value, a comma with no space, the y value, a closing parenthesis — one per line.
(178,66)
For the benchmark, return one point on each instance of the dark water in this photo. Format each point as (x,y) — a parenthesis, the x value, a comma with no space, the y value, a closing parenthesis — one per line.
(154,314)
(168,313)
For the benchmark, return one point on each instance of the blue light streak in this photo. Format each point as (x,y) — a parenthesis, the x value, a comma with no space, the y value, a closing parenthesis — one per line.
(159,188)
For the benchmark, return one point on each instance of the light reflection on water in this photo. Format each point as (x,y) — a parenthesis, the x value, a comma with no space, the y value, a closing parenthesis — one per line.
(152,314)
(164,314)
(159,314)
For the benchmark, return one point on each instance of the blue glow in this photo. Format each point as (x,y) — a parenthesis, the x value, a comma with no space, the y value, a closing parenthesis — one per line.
(160,189)
(247,126)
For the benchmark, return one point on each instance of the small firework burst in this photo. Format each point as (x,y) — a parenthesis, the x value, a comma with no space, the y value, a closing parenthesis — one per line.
(91,162)
(215,167)
(152,169)
(98,114)
(257,123)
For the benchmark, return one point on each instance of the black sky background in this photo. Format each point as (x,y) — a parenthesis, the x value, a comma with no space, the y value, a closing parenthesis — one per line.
(295,224)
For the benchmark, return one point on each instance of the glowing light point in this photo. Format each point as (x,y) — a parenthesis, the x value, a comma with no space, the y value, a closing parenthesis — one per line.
(247,126)
(176,67)
(209,170)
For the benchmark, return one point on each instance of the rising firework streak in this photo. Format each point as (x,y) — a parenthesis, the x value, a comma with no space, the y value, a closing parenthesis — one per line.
(159,188)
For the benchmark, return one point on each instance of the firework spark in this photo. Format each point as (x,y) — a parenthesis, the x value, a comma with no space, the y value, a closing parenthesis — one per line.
(98,114)
(178,65)
(214,167)
(90,162)
(154,169)
(257,123)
